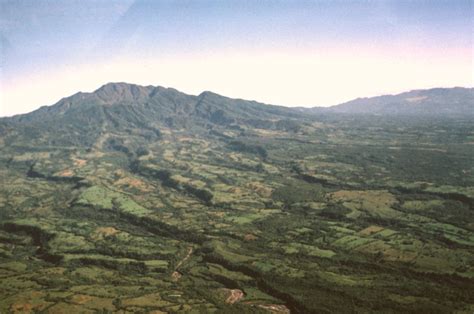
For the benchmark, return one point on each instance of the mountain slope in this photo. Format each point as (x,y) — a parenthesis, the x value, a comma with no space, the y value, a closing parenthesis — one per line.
(437,101)
(83,117)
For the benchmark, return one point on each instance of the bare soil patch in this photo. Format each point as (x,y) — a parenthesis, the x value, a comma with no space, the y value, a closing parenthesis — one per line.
(103,232)
(66,173)
(370,230)
(233,295)
(275,308)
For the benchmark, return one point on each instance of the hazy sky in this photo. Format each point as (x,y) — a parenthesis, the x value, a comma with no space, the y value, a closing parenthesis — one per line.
(296,53)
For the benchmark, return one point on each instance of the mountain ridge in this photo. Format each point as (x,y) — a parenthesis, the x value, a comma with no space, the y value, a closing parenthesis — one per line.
(122,107)
(125,93)
(417,101)
(455,100)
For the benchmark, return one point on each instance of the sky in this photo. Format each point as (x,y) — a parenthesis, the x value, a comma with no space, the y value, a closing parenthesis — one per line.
(292,53)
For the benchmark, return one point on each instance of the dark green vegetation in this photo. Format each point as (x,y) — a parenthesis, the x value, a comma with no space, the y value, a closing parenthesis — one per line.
(141,199)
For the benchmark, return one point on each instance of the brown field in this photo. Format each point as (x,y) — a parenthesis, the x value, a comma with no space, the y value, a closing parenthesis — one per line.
(103,232)
(233,295)
(79,162)
(66,173)
(370,230)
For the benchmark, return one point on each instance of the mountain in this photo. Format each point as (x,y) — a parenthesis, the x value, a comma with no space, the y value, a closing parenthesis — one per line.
(143,199)
(436,101)
(158,103)
(84,117)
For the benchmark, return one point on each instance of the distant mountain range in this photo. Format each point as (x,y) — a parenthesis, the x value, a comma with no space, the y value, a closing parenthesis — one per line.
(436,101)
(121,107)
(124,105)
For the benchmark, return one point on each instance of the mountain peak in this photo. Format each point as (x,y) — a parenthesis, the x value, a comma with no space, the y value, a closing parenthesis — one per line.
(120,92)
